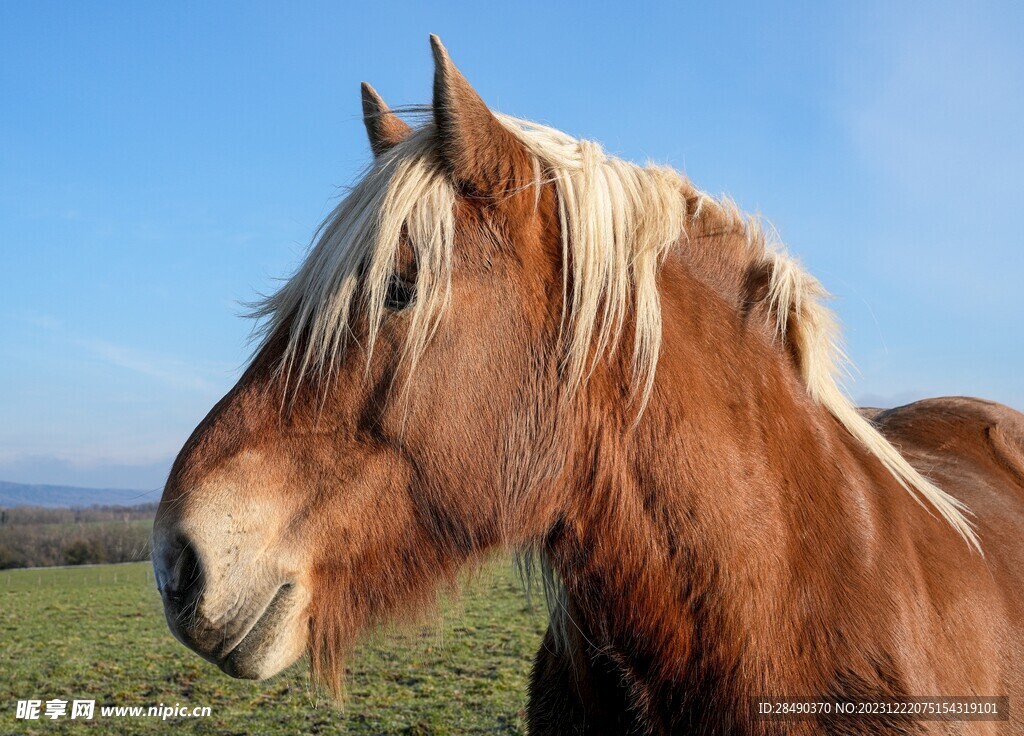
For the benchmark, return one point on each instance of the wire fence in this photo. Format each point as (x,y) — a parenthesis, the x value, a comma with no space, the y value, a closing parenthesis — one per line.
(84,576)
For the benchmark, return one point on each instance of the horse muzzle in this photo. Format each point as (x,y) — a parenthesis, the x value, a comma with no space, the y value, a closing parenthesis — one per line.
(233,609)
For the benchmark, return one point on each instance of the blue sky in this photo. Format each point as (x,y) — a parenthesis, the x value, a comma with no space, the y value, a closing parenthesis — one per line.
(160,163)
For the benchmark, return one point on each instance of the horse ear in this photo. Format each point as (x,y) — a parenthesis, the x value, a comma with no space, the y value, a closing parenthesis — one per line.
(385,129)
(478,150)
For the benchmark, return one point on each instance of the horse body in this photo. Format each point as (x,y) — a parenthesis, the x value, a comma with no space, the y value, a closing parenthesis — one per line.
(883,609)
(449,373)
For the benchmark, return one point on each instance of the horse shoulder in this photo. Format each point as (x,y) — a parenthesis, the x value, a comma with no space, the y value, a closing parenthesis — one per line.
(974,450)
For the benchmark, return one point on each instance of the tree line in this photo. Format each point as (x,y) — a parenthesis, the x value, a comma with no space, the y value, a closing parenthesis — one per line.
(33,536)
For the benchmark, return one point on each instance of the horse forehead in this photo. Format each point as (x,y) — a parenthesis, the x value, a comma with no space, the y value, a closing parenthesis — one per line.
(513,224)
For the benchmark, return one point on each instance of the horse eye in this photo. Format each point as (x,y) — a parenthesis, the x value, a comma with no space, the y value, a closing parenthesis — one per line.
(399,295)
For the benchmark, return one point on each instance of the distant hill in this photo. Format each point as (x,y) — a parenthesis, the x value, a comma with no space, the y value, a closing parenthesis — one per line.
(21,494)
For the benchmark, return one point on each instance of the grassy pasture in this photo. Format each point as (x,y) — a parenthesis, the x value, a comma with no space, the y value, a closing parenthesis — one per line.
(98,633)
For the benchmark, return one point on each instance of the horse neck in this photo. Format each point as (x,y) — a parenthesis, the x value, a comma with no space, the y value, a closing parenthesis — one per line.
(729,541)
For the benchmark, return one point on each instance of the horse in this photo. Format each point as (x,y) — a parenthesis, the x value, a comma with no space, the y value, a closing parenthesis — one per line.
(504,338)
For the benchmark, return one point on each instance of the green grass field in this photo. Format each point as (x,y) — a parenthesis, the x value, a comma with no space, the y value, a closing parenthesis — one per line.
(99,633)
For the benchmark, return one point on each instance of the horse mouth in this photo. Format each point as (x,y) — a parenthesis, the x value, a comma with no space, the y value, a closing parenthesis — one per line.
(245,660)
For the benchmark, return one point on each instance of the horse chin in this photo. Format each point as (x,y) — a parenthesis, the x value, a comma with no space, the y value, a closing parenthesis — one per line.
(276,639)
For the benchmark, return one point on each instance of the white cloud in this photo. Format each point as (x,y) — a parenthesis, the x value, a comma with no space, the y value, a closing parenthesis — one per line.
(164,369)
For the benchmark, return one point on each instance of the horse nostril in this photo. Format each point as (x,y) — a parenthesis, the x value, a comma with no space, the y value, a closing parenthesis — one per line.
(185,574)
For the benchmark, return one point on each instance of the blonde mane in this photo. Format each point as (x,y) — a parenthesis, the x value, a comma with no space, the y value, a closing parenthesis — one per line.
(618,222)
